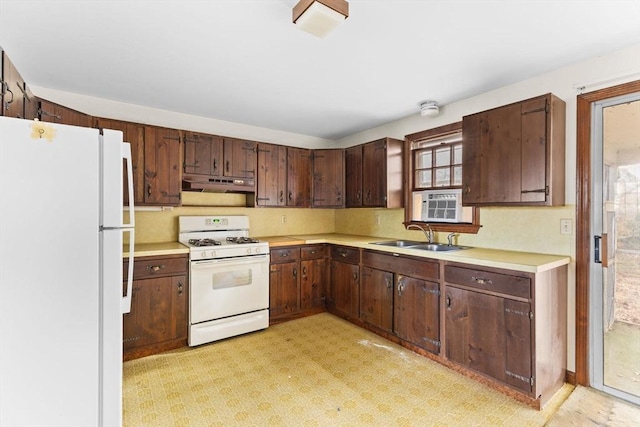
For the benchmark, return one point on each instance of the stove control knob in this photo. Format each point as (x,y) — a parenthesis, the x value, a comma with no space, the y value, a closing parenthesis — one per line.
(249,251)
(203,254)
(258,250)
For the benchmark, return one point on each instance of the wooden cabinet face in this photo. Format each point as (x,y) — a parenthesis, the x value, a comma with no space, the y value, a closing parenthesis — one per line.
(202,154)
(239,158)
(162,166)
(489,334)
(12,89)
(375,174)
(313,276)
(271,185)
(298,177)
(284,292)
(132,133)
(376,298)
(417,312)
(55,113)
(353,177)
(345,280)
(328,178)
(158,312)
(514,155)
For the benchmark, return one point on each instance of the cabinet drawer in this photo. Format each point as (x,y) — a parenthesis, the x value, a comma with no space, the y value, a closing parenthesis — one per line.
(285,255)
(313,252)
(345,254)
(408,266)
(508,284)
(147,267)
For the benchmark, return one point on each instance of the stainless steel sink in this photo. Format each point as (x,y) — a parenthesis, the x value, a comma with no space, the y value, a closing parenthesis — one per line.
(399,243)
(423,246)
(438,247)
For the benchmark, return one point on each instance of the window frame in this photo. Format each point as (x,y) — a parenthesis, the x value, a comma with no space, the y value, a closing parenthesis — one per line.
(409,175)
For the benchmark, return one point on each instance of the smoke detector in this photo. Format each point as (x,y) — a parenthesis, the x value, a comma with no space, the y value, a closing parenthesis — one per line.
(429,109)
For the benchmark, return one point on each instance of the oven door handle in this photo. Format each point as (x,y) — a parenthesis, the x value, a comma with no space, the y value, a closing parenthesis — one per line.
(230,261)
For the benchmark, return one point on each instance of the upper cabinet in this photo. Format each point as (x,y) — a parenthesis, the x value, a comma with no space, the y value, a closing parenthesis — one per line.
(240,158)
(328,178)
(17,99)
(299,177)
(374,174)
(202,154)
(515,154)
(271,185)
(56,113)
(156,155)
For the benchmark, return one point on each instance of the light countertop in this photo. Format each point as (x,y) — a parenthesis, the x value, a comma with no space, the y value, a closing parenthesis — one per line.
(511,260)
(156,249)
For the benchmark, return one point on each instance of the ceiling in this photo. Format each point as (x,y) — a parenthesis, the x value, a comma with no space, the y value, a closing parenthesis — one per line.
(244,61)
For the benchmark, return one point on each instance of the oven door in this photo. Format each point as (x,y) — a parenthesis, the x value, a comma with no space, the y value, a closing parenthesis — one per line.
(226,287)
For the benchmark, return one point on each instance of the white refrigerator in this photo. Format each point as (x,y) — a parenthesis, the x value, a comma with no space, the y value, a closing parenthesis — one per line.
(61,284)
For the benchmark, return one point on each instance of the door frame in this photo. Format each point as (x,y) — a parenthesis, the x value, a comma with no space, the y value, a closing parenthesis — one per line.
(583,219)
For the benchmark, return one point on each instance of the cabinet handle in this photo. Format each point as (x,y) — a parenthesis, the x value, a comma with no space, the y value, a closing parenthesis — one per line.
(295,272)
(284,254)
(448,301)
(215,165)
(281,196)
(359,196)
(5,87)
(155,267)
(148,189)
(355,276)
(227,166)
(304,271)
(400,285)
(482,281)
(467,189)
(290,195)
(343,254)
(387,283)
(179,288)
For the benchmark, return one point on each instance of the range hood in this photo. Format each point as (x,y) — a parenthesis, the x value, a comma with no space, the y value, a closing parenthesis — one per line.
(205,183)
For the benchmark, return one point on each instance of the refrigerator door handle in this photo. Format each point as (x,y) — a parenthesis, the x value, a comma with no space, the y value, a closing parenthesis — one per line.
(125,304)
(126,154)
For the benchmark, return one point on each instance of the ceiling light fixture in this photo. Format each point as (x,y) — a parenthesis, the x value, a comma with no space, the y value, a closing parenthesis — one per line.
(320,17)
(429,109)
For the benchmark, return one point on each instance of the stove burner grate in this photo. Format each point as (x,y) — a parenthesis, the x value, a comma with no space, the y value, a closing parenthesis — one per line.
(241,240)
(204,242)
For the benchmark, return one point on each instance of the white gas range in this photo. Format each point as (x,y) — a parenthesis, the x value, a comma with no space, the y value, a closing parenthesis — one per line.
(228,277)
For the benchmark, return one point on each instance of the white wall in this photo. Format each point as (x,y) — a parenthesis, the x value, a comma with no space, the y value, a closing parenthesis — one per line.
(108,108)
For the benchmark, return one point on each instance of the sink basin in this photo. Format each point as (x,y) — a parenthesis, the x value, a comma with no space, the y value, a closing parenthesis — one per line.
(399,243)
(437,247)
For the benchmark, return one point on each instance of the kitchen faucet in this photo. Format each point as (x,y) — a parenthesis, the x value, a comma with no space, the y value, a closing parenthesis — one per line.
(428,234)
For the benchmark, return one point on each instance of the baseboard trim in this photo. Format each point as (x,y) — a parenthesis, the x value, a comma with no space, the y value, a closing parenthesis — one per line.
(570,377)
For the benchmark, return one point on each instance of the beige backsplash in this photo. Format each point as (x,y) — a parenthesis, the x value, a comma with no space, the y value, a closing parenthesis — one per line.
(513,228)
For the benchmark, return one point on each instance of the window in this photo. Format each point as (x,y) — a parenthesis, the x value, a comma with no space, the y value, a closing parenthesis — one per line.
(438,162)
(433,167)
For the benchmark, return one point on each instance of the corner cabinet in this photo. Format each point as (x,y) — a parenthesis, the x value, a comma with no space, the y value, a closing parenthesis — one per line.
(328,178)
(374,174)
(514,155)
(158,318)
(508,325)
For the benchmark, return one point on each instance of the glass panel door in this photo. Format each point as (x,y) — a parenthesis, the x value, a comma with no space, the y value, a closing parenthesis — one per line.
(615,293)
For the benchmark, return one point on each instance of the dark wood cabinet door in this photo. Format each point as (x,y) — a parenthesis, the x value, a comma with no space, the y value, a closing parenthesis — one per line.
(375,174)
(533,186)
(489,334)
(345,283)
(55,113)
(239,158)
(133,133)
(313,277)
(328,178)
(353,177)
(271,182)
(158,312)
(12,89)
(284,292)
(376,298)
(298,177)
(202,154)
(162,166)
(417,312)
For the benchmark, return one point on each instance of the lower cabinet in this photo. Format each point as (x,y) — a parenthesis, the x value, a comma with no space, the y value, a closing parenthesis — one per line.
(158,318)
(401,295)
(344,282)
(297,281)
(508,325)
